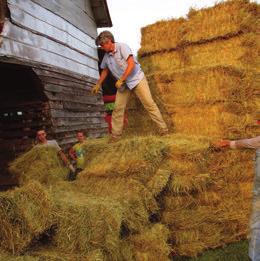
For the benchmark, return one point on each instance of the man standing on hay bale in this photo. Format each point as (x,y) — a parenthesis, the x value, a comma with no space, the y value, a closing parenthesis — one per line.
(120,61)
(41,138)
(254,143)
(77,153)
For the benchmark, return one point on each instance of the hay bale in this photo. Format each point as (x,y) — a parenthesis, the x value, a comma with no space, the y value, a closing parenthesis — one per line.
(194,241)
(221,21)
(242,171)
(180,184)
(25,214)
(216,53)
(87,223)
(137,202)
(221,121)
(151,244)
(219,162)
(41,164)
(204,85)
(207,219)
(136,157)
(162,35)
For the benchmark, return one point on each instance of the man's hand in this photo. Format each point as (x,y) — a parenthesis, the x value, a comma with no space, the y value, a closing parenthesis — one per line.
(96,88)
(222,144)
(119,83)
(72,168)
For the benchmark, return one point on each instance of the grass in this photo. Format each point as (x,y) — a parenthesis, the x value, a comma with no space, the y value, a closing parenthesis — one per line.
(232,252)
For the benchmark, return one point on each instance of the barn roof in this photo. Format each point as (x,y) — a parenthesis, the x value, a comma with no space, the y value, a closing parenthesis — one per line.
(101,13)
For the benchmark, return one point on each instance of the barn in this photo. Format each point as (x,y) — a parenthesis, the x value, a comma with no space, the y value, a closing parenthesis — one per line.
(48,64)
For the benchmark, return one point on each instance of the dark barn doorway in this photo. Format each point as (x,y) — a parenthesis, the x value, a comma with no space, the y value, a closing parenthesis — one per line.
(23,109)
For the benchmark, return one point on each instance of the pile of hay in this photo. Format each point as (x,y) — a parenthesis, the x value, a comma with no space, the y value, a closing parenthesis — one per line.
(115,204)
(104,211)
(40,163)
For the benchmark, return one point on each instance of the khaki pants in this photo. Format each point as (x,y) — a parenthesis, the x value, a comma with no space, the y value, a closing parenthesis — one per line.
(142,91)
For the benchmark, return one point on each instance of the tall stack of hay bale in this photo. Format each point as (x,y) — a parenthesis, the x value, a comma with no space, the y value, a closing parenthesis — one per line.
(204,73)
(204,70)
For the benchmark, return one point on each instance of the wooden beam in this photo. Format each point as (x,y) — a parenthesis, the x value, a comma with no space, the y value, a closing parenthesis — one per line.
(75,106)
(68,114)
(40,66)
(81,99)
(63,76)
(79,127)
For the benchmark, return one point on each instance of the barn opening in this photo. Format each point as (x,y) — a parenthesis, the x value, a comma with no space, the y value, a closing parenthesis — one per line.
(23,110)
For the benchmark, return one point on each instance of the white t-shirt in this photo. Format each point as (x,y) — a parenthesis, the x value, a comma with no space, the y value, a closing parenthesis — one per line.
(51,143)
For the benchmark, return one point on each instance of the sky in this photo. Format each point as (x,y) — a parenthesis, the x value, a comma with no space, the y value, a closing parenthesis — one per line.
(129,16)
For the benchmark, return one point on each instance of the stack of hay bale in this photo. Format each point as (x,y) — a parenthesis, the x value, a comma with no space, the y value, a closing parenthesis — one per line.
(204,72)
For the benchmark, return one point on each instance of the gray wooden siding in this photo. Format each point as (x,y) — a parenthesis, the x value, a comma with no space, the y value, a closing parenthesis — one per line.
(72,11)
(38,35)
(40,20)
(26,45)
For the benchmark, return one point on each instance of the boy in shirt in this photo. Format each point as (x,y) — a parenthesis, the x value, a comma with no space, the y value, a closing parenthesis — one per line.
(42,141)
(77,152)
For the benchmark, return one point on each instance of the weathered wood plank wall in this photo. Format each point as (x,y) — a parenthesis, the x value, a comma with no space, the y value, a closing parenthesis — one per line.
(37,34)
